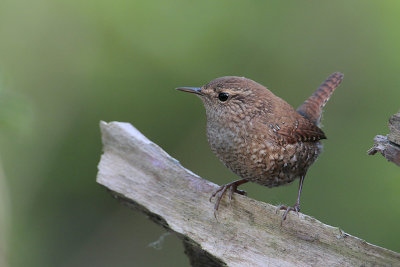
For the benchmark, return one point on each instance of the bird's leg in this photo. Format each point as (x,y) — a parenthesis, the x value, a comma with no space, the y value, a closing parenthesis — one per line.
(296,206)
(219,193)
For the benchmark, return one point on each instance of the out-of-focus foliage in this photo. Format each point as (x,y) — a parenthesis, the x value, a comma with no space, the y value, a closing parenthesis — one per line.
(70,64)
(16,114)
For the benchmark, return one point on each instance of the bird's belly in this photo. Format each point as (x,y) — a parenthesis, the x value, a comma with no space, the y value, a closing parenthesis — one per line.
(263,162)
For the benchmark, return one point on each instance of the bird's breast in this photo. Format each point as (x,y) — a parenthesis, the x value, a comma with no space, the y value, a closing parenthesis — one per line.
(258,157)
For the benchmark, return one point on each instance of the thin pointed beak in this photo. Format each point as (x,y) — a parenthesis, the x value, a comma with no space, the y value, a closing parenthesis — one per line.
(193,90)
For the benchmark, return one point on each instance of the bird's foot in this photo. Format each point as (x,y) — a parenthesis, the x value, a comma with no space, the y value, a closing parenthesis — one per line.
(219,193)
(287,209)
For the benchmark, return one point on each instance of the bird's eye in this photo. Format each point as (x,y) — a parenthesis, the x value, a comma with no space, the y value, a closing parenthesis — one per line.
(223,96)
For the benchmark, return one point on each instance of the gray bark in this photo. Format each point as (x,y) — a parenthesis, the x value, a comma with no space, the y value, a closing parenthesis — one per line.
(389,145)
(247,232)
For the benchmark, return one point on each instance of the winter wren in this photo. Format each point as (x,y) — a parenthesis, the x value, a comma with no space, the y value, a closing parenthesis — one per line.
(259,136)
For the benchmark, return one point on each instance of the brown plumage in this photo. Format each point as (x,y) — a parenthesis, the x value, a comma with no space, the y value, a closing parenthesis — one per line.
(312,107)
(258,135)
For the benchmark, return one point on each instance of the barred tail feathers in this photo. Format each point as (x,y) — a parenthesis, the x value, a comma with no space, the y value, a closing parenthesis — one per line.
(312,107)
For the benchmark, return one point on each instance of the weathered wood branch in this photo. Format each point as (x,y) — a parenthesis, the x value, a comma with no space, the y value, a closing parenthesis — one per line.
(389,145)
(247,232)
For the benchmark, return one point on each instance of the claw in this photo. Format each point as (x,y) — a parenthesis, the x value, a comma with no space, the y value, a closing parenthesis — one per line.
(219,193)
(287,209)
(296,206)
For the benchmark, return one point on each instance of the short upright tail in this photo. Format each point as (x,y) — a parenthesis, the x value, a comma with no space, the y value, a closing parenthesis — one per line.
(312,107)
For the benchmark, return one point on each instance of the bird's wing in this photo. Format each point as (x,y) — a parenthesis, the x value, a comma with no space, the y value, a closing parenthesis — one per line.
(298,129)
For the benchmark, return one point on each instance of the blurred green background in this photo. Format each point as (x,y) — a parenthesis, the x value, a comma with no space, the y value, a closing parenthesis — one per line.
(66,65)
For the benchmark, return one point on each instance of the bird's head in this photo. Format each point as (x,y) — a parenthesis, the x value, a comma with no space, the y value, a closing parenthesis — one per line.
(232,98)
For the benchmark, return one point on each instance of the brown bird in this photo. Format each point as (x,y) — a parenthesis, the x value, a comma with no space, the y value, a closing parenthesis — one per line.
(259,136)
